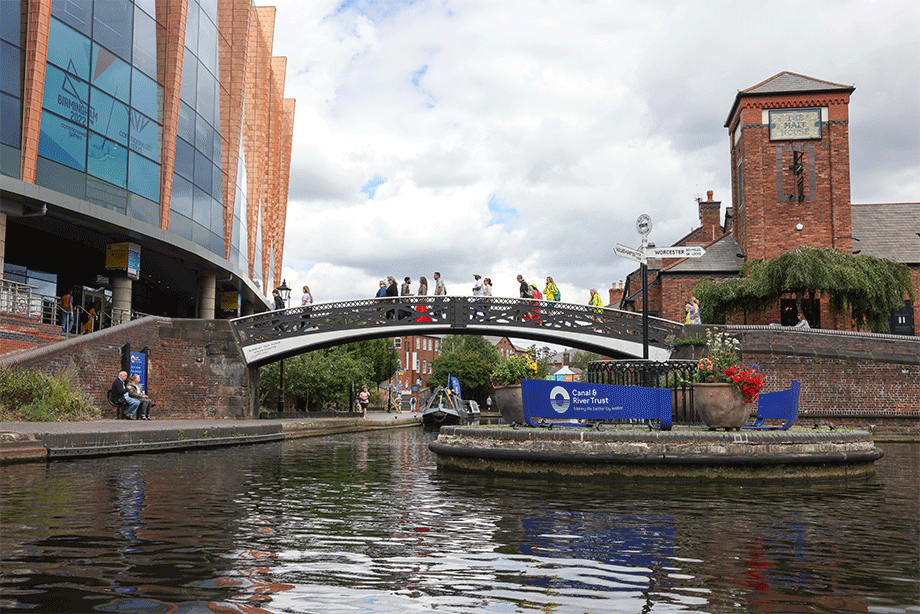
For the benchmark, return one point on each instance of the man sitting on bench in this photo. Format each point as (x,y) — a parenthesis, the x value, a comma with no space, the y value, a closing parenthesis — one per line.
(120,391)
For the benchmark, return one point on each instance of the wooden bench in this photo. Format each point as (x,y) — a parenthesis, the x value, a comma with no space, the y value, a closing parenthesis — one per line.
(780,405)
(546,401)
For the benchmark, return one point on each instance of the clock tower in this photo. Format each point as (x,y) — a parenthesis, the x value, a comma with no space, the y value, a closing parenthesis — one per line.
(790,158)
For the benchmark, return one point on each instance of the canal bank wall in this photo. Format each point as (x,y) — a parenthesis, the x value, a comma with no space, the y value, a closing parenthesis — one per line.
(43,441)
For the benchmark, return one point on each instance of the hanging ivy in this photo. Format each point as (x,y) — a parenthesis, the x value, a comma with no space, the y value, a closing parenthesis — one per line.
(866,287)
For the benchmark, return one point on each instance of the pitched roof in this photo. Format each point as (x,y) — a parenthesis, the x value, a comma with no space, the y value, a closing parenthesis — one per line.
(890,231)
(792,82)
(722,255)
(787,82)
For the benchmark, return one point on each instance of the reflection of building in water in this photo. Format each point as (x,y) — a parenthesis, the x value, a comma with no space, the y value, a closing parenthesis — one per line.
(129,491)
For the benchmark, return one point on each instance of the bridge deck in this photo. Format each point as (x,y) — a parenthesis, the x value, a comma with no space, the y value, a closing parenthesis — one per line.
(267,337)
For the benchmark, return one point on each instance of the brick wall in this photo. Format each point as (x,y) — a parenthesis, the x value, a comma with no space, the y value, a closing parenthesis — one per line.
(840,372)
(196,369)
(19,333)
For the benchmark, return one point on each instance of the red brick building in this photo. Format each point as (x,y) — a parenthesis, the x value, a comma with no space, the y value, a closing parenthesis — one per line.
(790,167)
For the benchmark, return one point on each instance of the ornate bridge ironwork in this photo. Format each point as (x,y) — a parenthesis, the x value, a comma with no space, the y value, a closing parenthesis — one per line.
(270,336)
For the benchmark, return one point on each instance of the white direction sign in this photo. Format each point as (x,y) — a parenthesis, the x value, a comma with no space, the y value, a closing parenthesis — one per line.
(690,251)
(628,252)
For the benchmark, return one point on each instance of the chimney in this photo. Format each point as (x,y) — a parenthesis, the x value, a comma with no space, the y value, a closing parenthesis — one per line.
(709,218)
(616,294)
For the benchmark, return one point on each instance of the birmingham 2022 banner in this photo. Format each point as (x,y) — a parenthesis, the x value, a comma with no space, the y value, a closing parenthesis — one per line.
(555,400)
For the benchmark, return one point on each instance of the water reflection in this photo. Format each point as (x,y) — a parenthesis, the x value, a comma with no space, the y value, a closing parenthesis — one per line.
(366,523)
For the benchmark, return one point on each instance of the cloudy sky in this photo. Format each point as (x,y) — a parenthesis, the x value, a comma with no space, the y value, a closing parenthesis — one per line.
(506,136)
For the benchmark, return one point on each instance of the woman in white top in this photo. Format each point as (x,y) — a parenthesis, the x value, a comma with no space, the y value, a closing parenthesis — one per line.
(487,287)
(307,297)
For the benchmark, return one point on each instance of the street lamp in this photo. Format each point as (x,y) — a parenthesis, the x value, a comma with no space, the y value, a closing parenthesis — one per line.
(285,293)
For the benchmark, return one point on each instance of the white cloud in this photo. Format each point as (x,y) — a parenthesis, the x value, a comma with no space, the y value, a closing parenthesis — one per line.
(570,118)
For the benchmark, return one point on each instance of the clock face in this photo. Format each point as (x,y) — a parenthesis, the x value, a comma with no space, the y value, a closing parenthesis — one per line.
(795,124)
(644,225)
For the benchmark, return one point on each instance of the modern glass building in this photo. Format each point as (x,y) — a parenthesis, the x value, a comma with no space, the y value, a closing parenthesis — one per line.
(145,149)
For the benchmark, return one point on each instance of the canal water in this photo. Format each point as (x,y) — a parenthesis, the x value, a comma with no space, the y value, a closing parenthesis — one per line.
(366,523)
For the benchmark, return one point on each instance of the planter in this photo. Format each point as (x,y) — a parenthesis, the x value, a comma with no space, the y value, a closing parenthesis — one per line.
(721,405)
(509,403)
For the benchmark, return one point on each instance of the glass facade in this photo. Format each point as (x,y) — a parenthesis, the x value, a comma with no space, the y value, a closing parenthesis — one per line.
(100,137)
(10,87)
(101,110)
(199,146)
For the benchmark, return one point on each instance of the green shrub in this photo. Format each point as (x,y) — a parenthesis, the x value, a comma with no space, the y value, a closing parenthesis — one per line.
(32,396)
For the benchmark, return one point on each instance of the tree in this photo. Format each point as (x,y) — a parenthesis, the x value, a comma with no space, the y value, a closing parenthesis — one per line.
(470,359)
(380,355)
(323,377)
(580,359)
(866,287)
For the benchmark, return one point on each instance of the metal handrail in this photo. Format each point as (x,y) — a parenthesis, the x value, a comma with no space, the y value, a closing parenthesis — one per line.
(22,300)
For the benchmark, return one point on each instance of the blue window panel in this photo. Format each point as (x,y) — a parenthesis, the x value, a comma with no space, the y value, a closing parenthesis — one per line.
(110,74)
(217,183)
(68,49)
(180,225)
(186,126)
(191,27)
(109,117)
(10,69)
(189,89)
(201,211)
(185,161)
(10,20)
(215,153)
(75,13)
(145,136)
(207,43)
(144,210)
(145,94)
(66,95)
(113,25)
(209,8)
(145,42)
(206,85)
(217,217)
(62,141)
(201,235)
(204,137)
(107,160)
(143,177)
(203,175)
(182,196)
(10,121)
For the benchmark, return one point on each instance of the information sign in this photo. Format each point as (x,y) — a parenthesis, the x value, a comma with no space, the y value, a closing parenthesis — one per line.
(628,252)
(688,251)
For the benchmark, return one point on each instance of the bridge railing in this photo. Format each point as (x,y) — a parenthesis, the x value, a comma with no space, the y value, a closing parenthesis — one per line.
(453,312)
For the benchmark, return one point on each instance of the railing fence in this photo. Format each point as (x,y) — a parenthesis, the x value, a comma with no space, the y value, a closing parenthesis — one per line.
(671,374)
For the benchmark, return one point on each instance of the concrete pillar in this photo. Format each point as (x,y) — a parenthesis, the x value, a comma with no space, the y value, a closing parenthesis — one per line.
(207,296)
(121,300)
(2,242)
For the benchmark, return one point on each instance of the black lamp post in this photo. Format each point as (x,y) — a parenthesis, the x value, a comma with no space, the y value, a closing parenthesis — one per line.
(285,293)
(390,380)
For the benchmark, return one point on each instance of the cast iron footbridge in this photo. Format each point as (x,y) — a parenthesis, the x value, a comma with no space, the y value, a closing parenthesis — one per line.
(271,336)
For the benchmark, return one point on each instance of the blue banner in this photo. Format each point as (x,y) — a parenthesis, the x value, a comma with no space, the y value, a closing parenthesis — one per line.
(139,366)
(455,386)
(555,400)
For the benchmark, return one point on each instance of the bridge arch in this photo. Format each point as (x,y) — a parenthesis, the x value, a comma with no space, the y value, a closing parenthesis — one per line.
(271,336)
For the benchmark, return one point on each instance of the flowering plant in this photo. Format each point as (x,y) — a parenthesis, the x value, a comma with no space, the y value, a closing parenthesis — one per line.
(720,364)
(513,370)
